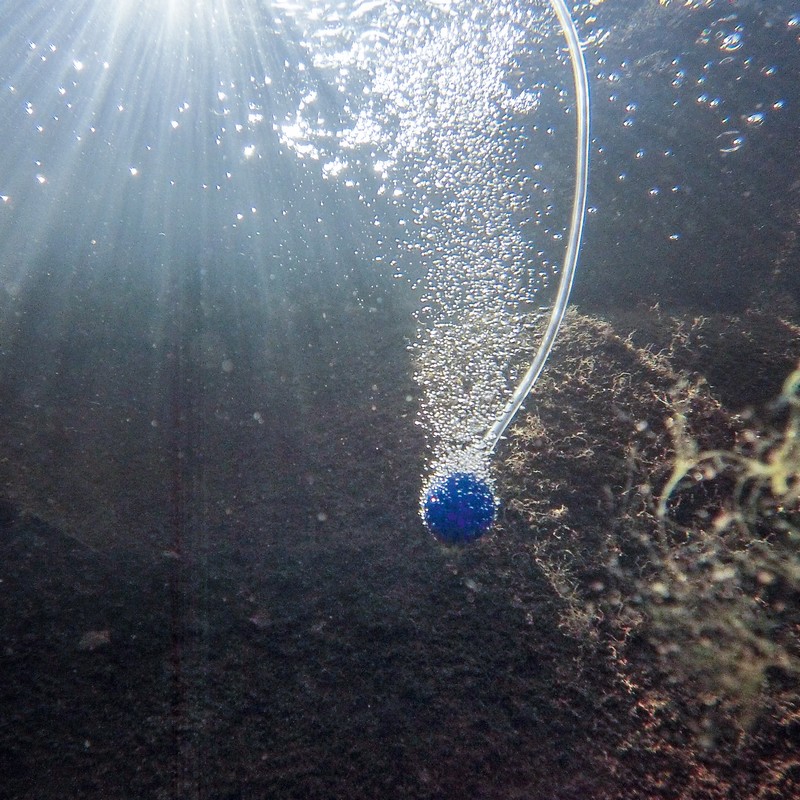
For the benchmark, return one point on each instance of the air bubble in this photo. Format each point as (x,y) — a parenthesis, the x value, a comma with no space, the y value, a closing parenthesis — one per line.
(731,42)
(730,141)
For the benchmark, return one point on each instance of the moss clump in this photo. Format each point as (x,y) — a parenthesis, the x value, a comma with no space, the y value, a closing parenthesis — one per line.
(765,466)
(724,599)
(664,517)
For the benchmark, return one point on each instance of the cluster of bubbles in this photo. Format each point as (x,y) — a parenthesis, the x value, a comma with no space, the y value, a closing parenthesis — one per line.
(721,66)
(451,111)
(448,106)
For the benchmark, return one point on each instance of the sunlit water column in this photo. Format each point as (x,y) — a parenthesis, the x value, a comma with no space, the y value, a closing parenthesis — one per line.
(473,318)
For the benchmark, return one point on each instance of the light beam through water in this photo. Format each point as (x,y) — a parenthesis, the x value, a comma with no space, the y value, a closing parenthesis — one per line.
(256,139)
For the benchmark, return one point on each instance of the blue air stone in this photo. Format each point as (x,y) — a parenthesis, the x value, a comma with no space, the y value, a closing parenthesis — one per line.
(459,507)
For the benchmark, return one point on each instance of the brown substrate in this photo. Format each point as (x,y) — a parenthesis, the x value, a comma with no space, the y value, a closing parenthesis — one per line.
(222,589)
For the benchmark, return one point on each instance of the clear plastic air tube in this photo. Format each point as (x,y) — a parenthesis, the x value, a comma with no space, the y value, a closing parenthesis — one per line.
(495,433)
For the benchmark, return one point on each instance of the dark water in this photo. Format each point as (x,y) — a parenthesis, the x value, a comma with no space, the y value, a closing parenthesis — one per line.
(214,581)
(701,83)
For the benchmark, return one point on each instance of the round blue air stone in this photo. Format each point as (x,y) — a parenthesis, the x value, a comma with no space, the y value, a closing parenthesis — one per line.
(459,507)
